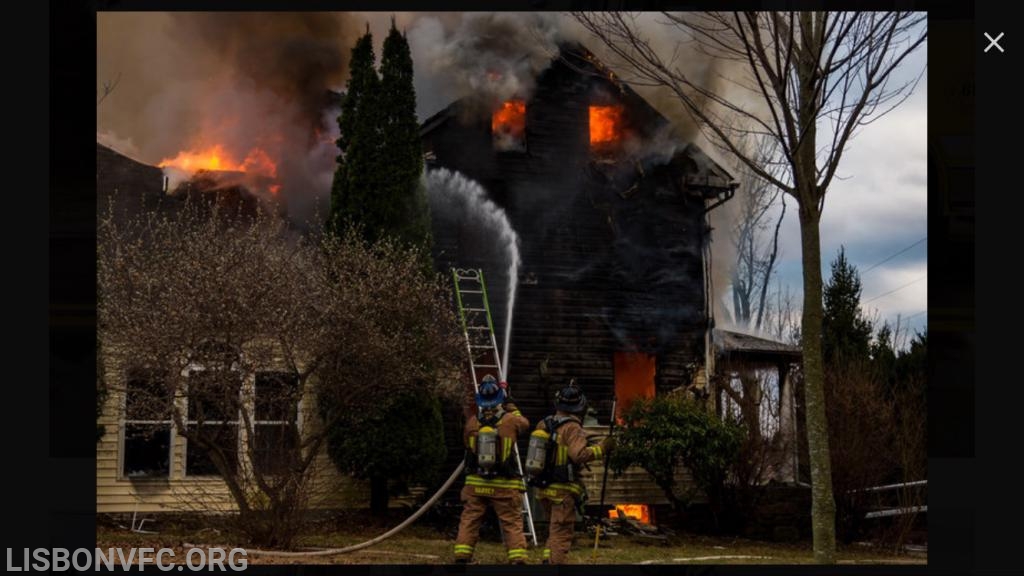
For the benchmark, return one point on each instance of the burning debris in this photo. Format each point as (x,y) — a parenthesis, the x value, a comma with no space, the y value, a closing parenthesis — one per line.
(632,521)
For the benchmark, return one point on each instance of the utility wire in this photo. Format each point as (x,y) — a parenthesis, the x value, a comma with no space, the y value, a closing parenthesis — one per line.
(893,256)
(895,290)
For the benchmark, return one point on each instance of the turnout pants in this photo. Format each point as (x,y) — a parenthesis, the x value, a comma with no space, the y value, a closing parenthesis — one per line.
(560,507)
(507,504)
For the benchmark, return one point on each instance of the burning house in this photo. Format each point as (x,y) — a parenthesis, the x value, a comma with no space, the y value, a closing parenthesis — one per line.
(612,218)
(613,289)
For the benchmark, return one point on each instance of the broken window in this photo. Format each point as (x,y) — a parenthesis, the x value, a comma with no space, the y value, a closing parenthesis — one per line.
(634,378)
(214,401)
(508,127)
(606,126)
(147,426)
(275,426)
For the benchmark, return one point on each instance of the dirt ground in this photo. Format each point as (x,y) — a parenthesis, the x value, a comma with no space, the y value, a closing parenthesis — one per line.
(423,544)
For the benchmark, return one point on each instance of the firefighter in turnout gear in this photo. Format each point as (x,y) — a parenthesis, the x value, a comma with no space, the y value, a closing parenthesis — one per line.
(559,487)
(492,478)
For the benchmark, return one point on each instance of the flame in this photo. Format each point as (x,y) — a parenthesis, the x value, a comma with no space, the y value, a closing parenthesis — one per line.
(274,189)
(510,118)
(508,126)
(218,159)
(605,124)
(634,378)
(638,511)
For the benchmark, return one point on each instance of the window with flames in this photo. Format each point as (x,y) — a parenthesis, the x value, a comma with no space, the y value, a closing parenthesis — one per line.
(508,127)
(606,127)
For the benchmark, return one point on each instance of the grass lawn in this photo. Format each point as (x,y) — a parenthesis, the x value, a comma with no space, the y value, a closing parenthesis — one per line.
(427,545)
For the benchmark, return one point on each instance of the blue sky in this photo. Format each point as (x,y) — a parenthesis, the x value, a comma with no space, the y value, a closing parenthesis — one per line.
(878,209)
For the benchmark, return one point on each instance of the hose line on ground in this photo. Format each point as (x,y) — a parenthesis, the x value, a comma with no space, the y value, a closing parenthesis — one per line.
(405,523)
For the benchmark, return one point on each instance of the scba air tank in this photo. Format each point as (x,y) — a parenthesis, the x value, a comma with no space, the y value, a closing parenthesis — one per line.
(537,452)
(487,448)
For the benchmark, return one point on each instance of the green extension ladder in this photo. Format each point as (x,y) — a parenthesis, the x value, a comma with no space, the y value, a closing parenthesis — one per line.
(478,329)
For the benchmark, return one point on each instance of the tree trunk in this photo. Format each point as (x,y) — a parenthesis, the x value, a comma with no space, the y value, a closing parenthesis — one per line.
(823,507)
(378,496)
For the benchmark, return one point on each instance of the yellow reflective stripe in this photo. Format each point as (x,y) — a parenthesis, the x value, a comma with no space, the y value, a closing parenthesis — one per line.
(517,413)
(472,443)
(598,453)
(506,448)
(547,553)
(517,553)
(570,487)
(463,548)
(514,483)
(563,456)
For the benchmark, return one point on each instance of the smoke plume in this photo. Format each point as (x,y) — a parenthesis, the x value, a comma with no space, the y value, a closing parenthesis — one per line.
(242,81)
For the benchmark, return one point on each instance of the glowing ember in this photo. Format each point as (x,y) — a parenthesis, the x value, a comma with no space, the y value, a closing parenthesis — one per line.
(637,511)
(274,189)
(605,124)
(216,158)
(508,125)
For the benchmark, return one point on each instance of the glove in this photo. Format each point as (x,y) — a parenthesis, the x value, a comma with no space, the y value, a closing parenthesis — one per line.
(608,444)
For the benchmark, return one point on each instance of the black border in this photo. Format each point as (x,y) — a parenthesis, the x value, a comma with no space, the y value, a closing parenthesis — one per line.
(966,510)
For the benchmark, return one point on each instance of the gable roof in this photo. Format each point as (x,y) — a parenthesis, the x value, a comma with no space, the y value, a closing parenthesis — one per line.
(705,171)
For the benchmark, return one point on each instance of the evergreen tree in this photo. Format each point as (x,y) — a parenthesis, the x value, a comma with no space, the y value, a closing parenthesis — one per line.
(408,218)
(355,194)
(883,358)
(846,333)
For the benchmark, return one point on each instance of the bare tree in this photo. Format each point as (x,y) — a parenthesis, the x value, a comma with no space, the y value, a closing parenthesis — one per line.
(229,332)
(755,238)
(782,315)
(799,72)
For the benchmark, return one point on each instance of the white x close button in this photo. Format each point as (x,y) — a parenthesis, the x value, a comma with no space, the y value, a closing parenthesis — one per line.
(994,42)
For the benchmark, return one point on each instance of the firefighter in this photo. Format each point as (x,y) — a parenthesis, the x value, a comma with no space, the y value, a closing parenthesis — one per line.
(559,487)
(492,477)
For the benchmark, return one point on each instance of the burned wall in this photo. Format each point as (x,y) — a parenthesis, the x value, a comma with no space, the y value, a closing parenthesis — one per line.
(611,240)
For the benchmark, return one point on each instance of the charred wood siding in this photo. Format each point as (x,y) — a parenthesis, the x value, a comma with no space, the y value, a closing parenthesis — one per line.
(611,247)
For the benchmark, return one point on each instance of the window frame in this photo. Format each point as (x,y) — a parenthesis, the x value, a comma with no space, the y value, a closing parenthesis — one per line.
(122,436)
(193,367)
(255,421)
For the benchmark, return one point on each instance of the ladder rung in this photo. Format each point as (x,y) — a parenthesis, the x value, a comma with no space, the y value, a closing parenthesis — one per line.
(475,309)
(471,291)
(485,365)
(477,328)
(477,347)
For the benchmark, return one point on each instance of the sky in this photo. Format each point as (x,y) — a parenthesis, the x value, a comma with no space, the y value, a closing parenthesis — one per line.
(179,74)
(877,209)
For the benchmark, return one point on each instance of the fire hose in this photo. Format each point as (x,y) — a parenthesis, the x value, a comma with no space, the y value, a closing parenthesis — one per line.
(405,523)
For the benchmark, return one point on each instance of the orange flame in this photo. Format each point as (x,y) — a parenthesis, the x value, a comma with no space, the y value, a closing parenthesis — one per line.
(605,124)
(510,119)
(218,159)
(638,511)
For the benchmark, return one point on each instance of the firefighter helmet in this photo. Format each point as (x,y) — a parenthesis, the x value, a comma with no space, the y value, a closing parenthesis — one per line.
(489,394)
(571,399)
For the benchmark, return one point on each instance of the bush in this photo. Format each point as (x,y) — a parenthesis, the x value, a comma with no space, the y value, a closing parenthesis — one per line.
(662,433)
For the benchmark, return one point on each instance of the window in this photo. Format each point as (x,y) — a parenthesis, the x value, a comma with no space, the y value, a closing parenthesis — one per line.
(634,378)
(214,401)
(147,426)
(508,127)
(606,126)
(275,425)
